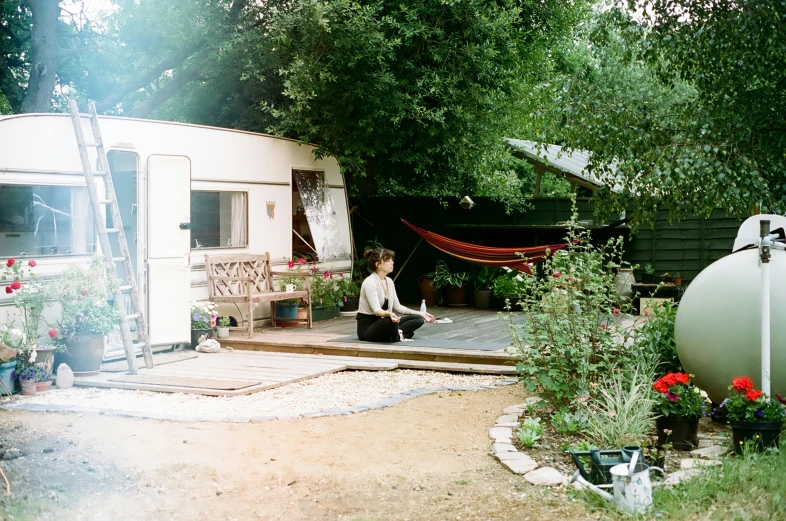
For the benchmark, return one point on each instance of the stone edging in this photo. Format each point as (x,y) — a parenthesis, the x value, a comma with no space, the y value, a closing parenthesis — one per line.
(520,463)
(386,402)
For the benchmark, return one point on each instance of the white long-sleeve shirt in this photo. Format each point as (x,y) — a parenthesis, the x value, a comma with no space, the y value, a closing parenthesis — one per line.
(372,296)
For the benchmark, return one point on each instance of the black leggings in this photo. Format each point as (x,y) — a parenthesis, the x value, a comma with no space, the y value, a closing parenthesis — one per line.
(372,328)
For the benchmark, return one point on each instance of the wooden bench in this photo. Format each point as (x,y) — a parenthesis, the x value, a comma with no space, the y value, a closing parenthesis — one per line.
(246,278)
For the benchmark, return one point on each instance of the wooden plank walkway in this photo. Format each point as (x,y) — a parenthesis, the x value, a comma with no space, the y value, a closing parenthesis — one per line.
(471,327)
(236,373)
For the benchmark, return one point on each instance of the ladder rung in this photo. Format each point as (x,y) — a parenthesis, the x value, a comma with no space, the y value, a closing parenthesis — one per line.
(118,259)
(112,230)
(105,201)
(133,316)
(91,144)
(140,344)
(125,288)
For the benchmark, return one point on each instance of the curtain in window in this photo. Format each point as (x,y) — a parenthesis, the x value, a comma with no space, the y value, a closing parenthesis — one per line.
(321,215)
(81,229)
(239,234)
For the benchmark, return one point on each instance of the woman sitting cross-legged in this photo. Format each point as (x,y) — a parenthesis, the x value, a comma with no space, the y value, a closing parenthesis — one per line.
(378,313)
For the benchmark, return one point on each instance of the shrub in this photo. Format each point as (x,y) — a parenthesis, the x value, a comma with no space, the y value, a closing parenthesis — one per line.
(325,290)
(656,337)
(568,423)
(86,296)
(622,413)
(751,405)
(573,333)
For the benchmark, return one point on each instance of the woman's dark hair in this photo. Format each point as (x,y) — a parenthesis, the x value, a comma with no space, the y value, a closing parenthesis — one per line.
(376,255)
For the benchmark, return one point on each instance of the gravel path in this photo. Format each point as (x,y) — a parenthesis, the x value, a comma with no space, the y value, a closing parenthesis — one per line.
(338,393)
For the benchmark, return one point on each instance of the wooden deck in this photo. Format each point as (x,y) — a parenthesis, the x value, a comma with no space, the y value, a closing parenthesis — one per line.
(280,356)
(471,328)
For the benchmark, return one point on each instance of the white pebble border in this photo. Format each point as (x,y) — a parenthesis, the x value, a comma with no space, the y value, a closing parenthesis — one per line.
(340,393)
(520,463)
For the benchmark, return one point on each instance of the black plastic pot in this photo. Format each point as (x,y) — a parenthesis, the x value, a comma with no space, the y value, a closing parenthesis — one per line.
(684,431)
(483,298)
(762,434)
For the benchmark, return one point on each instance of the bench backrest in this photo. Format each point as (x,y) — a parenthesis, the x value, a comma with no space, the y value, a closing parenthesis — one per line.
(253,266)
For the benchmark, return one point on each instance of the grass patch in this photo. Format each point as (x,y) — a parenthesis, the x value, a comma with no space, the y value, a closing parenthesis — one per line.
(749,488)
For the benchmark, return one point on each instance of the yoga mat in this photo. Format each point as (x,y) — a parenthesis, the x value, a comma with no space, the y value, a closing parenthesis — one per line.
(431,342)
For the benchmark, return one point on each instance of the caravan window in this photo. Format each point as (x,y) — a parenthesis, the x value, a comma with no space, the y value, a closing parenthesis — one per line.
(45,220)
(219,220)
(316,233)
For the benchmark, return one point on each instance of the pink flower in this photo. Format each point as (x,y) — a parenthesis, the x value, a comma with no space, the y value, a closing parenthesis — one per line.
(646,312)
(616,312)
(32,264)
(290,264)
(557,275)
(672,397)
(603,326)
(341,275)
(83,292)
(53,333)
(301,261)
(314,270)
(10,262)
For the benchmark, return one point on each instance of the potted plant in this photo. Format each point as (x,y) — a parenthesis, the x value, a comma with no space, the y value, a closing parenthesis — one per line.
(753,416)
(287,310)
(27,376)
(678,279)
(649,274)
(326,295)
(508,289)
(680,405)
(450,285)
(484,281)
(87,315)
(350,293)
(203,320)
(222,330)
(30,296)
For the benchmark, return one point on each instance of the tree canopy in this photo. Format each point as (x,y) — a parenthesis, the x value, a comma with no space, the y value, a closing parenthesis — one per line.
(682,106)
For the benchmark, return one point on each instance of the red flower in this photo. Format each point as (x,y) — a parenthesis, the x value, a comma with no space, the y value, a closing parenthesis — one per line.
(32,264)
(290,264)
(53,333)
(327,275)
(301,261)
(557,275)
(16,284)
(682,378)
(83,292)
(10,262)
(616,312)
(752,395)
(742,383)
(661,386)
(670,379)
(8,290)
(603,326)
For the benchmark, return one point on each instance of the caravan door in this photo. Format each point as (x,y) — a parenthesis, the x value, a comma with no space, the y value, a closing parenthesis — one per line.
(168,249)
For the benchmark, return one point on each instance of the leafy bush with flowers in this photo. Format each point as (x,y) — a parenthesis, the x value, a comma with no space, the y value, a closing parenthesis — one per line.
(675,395)
(298,281)
(86,293)
(30,295)
(25,373)
(347,286)
(203,315)
(325,290)
(751,405)
(573,335)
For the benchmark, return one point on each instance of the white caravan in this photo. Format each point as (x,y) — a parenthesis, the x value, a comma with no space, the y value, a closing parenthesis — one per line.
(183,191)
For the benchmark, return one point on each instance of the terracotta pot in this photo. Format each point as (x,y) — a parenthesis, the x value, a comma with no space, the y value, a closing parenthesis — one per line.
(83,354)
(455,296)
(427,292)
(43,386)
(684,431)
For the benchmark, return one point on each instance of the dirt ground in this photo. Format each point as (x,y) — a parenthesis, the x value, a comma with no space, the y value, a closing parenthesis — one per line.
(425,459)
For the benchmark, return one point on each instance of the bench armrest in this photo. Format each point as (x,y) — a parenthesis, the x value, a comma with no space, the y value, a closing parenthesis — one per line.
(291,274)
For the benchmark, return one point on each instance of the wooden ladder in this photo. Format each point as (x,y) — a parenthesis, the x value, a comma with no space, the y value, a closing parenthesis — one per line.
(129,286)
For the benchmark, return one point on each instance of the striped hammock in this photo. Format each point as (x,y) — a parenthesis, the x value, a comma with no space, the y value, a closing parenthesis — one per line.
(520,259)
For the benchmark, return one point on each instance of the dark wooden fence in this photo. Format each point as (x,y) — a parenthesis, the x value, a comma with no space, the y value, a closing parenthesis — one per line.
(685,247)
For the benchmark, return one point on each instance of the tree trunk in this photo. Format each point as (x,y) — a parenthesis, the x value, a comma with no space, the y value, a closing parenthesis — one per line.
(45,55)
